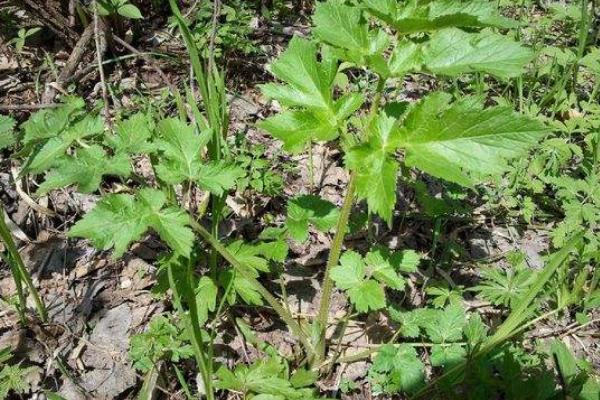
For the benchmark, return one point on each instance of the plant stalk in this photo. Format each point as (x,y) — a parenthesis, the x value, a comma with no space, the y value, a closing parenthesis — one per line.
(334,256)
(279,309)
(20,273)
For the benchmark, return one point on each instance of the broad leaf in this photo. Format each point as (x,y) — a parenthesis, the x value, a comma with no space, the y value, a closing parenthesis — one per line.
(310,209)
(375,167)
(415,16)
(219,176)
(396,369)
(132,135)
(307,89)
(85,170)
(120,219)
(307,84)
(7,137)
(463,143)
(181,151)
(453,52)
(47,154)
(341,26)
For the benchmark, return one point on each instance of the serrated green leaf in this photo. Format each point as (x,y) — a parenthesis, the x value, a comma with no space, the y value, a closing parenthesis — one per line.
(48,153)
(410,322)
(117,220)
(48,123)
(445,325)
(181,151)
(447,356)
(206,298)
(297,128)
(85,170)
(380,268)
(306,83)
(453,52)
(417,16)
(374,166)
(132,135)
(350,272)
(341,26)
(368,295)
(310,209)
(7,137)
(462,143)
(218,176)
(398,369)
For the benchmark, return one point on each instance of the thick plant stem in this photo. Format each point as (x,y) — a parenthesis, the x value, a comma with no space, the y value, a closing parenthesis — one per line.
(334,256)
(273,302)
(20,273)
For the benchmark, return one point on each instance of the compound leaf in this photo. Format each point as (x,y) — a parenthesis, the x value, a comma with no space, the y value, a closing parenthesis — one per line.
(120,219)
(218,176)
(85,170)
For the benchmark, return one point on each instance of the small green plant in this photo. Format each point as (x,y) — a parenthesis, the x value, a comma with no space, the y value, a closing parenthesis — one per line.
(22,36)
(121,7)
(12,377)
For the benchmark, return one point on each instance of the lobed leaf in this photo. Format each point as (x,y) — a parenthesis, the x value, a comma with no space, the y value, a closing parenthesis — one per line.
(120,219)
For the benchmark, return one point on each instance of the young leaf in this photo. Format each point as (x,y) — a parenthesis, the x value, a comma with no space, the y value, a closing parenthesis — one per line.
(181,151)
(310,209)
(461,142)
(132,135)
(85,170)
(181,162)
(48,153)
(445,325)
(120,219)
(129,11)
(374,166)
(308,91)
(341,26)
(218,176)
(47,123)
(416,16)
(453,52)
(307,83)
(363,280)
(7,137)
(447,356)
(396,369)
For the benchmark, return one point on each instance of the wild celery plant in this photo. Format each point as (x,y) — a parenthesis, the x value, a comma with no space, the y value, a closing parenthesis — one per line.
(458,140)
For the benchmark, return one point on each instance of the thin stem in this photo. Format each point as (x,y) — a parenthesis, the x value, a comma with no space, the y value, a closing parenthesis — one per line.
(334,256)
(194,333)
(19,271)
(279,309)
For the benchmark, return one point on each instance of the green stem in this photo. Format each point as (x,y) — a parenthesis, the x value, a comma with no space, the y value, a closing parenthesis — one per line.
(279,309)
(20,273)
(193,327)
(334,256)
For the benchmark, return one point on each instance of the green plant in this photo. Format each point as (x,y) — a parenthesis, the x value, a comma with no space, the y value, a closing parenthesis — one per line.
(10,255)
(121,7)
(460,141)
(12,377)
(22,36)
